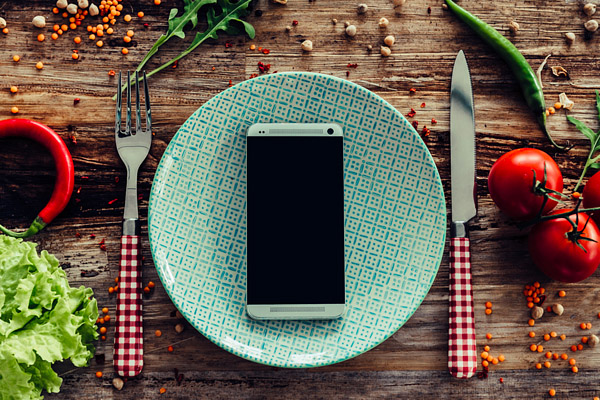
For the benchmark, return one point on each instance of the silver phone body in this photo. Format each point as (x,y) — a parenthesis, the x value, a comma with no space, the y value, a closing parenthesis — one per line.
(295,311)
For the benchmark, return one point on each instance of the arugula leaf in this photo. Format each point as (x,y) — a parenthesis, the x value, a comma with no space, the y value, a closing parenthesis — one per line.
(594,137)
(176,23)
(221,15)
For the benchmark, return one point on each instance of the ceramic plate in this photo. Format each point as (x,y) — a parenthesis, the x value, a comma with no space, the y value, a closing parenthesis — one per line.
(395,219)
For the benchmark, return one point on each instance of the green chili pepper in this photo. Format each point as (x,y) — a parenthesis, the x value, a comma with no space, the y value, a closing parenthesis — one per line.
(528,81)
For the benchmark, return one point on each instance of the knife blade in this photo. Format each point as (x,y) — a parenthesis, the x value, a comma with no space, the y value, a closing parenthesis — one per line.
(462,351)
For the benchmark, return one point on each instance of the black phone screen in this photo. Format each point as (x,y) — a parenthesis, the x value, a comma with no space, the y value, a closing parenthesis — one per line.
(295,220)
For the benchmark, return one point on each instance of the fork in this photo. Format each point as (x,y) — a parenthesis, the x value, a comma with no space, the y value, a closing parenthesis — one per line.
(133,148)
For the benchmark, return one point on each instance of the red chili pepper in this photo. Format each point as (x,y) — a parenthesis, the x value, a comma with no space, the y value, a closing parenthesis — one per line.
(65,173)
(422,105)
(412,90)
(76,101)
(433,121)
(228,44)
(411,113)
(415,124)
(266,51)
(112,201)
(294,22)
(352,65)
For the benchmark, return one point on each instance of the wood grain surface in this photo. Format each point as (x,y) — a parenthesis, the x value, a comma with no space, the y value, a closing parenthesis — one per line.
(413,362)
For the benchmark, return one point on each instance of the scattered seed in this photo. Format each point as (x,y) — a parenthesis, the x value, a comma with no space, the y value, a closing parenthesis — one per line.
(118,383)
(385,51)
(351,30)
(307,45)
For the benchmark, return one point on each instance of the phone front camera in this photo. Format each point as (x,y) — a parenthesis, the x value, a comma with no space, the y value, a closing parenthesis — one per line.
(330,131)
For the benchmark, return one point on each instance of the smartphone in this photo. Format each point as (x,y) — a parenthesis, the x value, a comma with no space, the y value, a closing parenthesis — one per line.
(295,221)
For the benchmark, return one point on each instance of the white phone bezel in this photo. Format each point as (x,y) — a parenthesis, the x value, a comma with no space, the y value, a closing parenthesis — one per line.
(295,311)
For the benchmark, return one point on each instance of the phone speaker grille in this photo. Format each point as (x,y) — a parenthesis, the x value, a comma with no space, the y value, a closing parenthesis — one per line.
(297,309)
(297,131)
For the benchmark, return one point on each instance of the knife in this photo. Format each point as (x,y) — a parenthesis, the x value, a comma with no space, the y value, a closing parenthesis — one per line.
(462,351)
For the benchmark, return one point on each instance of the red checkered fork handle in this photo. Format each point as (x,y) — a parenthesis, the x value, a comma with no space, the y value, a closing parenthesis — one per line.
(129,340)
(462,351)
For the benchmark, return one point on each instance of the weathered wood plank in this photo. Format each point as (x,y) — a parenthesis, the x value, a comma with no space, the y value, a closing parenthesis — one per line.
(413,361)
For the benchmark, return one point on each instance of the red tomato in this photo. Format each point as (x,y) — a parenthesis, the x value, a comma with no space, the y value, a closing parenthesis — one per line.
(511,182)
(591,196)
(557,255)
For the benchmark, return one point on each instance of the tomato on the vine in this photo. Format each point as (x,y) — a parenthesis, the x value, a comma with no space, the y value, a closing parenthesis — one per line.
(591,196)
(563,253)
(512,185)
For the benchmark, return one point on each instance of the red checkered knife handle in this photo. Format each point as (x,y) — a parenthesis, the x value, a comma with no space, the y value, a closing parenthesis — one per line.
(128,357)
(462,351)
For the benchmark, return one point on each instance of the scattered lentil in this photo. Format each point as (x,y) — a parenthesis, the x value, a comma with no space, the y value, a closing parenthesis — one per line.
(383,22)
(14,110)
(99,374)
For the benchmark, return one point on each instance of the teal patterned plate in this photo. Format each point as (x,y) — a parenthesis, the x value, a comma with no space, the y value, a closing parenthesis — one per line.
(395,219)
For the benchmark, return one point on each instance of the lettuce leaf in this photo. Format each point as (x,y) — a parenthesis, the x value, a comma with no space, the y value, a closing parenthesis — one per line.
(42,320)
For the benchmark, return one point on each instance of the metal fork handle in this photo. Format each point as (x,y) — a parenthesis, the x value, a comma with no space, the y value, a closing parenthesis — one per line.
(128,357)
(131,201)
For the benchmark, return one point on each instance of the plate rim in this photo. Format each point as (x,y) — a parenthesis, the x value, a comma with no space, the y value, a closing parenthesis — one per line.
(349,355)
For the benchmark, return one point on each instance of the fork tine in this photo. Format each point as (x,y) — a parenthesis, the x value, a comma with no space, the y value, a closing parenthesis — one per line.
(147,105)
(128,121)
(118,110)
(138,121)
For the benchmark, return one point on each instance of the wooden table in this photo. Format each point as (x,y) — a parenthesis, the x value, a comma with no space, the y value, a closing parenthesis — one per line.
(412,363)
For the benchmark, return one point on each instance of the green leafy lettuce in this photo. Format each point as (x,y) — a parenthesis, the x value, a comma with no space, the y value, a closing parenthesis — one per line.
(42,320)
